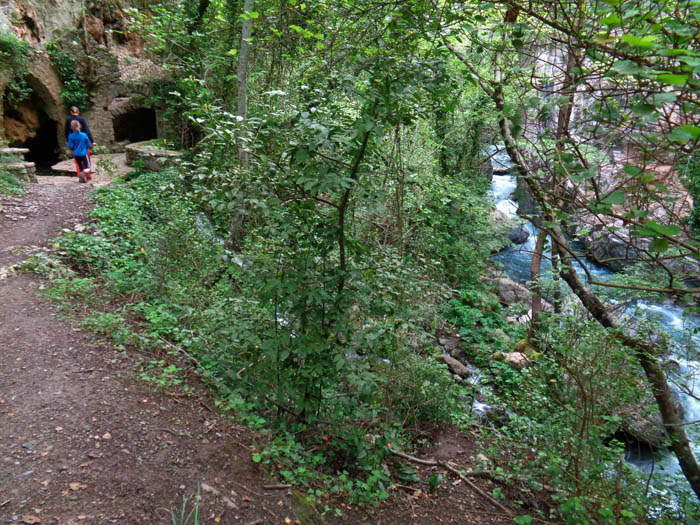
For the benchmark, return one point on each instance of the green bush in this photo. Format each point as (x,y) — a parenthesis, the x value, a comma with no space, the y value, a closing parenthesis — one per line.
(689,171)
(11,185)
(247,333)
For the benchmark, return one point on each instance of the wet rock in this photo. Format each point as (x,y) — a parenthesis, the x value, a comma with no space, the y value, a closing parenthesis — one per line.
(487,171)
(455,366)
(509,292)
(527,206)
(497,217)
(519,235)
(642,422)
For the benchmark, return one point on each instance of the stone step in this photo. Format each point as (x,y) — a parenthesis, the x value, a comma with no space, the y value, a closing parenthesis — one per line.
(22,170)
(14,151)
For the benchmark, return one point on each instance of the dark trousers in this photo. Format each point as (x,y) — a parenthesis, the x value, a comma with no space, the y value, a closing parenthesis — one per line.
(82,162)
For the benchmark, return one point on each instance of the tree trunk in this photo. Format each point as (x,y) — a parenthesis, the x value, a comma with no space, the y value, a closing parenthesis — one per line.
(243,59)
(645,353)
(535,275)
(236,231)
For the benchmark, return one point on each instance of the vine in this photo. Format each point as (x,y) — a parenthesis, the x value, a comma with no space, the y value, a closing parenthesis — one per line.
(66,65)
(15,56)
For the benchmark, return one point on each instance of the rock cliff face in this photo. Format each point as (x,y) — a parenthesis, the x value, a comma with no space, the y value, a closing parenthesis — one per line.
(109,64)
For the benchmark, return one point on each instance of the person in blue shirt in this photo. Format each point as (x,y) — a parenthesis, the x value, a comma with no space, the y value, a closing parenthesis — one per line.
(79,143)
(75,115)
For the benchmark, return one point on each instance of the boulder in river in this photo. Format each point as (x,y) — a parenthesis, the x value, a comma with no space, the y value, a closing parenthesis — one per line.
(642,422)
(519,234)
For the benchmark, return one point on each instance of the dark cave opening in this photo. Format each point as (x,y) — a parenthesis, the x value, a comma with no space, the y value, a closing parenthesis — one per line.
(28,126)
(43,148)
(135,125)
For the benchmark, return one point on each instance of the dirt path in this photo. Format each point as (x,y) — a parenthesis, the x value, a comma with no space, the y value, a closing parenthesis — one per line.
(81,441)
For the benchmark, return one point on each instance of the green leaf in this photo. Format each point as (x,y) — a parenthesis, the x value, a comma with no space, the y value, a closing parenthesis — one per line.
(693,130)
(664,98)
(616,197)
(680,135)
(611,20)
(630,169)
(642,110)
(627,67)
(654,229)
(646,42)
(674,80)
(659,245)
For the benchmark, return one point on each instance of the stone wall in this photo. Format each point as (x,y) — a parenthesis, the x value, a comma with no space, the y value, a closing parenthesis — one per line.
(111,65)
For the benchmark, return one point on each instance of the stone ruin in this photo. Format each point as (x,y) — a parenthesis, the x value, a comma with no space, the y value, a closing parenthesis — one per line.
(118,78)
(23,170)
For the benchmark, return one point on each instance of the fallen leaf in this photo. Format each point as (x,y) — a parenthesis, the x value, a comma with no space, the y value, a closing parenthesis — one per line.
(107,436)
(77,486)
(208,488)
(30,518)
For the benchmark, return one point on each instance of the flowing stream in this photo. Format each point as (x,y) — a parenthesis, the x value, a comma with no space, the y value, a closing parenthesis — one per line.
(684,330)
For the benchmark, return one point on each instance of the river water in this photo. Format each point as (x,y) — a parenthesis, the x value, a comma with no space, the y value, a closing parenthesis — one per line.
(684,330)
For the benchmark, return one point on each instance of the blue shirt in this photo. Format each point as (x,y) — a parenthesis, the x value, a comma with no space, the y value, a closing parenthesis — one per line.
(83,126)
(79,143)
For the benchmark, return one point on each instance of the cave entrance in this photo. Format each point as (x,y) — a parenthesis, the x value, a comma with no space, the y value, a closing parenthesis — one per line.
(135,125)
(28,125)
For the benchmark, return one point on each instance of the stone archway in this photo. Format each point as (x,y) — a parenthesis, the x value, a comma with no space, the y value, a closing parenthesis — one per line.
(37,121)
(132,120)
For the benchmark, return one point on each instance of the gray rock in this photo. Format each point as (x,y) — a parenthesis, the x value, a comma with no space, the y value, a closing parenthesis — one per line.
(517,360)
(509,292)
(455,366)
(154,158)
(487,171)
(642,422)
(519,235)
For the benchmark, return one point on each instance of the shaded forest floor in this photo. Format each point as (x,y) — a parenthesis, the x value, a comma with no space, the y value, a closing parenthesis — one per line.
(83,440)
